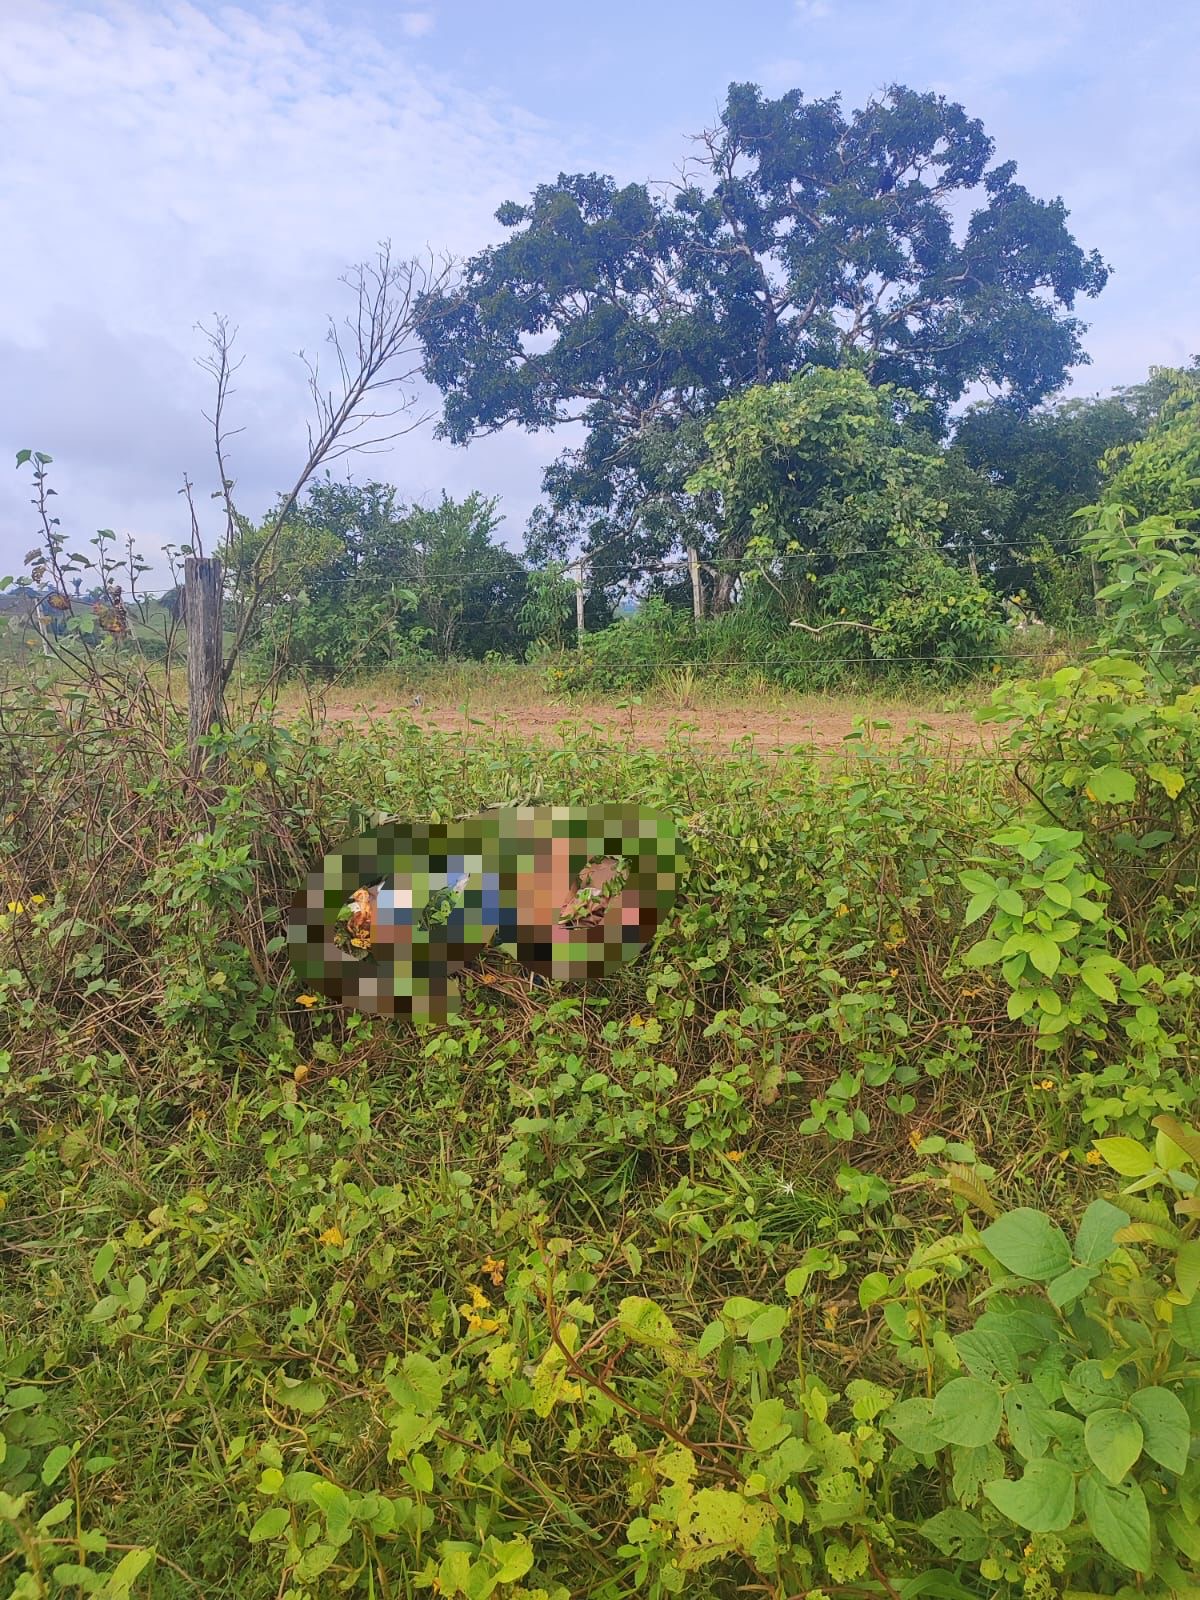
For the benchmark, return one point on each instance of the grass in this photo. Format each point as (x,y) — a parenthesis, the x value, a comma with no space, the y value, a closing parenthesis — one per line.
(234,1222)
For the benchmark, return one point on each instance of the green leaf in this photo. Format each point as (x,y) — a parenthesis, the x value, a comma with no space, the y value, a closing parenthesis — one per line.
(1028,1244)
(1169,778)
(1114,1441)
(1042,1500)
(1187,1268)
(957,1534)
(1069,1285)
(127,1571)
(515,1558)
(1028,1415)
(769,1324)
(967,1411)
(1043,952)
(645,1323)
(767,1426)
(987,1353)
(270,1524)
(1094,1242)
(1125,1156)
(1120,1519)
(912,1423)
(872,1288)
(1099,982)
(1087,1388)
(301,1394)
(1109,786)
(55,1461)
(712,1338)
(1166,1426)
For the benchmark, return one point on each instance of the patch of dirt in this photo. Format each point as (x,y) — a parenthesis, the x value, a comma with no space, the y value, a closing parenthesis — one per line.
(725,726)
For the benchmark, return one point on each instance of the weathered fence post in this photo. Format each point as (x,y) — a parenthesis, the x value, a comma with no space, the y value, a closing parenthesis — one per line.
(697,591)
(202,614)
(579,571)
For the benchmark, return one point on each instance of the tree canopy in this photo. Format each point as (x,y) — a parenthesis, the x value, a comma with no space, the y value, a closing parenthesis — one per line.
(797,236)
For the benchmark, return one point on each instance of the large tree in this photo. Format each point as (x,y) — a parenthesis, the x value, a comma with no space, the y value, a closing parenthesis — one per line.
(797,236)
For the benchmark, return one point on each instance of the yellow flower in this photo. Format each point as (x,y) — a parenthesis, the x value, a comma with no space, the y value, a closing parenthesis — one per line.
(1046,1083)
(832,1312)
(634,1022)
(1064,1155)
(478,1298)
(37,899)
(333,1236)
(735,1155)
(308,999)
(1093,1158)
(494,1267)
(478,1324)
(16,907)
(842,911)
(302,1072)
(361,944)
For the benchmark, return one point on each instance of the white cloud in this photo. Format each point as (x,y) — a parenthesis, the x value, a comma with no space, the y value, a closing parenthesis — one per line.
(159,164)
(416,24)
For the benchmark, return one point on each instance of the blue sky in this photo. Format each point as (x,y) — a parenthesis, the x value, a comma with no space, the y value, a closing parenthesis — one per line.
(163,161)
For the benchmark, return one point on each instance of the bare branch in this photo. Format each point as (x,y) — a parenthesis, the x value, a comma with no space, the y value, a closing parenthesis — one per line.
(376,351)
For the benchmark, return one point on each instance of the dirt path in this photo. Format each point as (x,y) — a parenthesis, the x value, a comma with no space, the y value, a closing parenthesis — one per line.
(822,725)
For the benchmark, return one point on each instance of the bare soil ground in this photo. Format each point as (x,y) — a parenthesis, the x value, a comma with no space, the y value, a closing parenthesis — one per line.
(816,722)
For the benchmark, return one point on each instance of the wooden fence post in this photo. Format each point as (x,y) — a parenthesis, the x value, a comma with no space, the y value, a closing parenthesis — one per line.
(697,591)
(202,619)
(579,571)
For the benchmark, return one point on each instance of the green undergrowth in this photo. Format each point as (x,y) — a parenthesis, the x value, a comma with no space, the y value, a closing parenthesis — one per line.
(845,1244)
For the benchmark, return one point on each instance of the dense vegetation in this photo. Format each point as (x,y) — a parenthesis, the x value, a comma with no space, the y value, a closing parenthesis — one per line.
(848,1244)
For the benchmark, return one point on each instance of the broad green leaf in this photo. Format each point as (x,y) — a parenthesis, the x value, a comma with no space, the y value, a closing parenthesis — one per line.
(1170,778)
(1114,1441)
(956,1533)
(301,1395)
(872,1288)
(1042,1500)
(769,1324)
(515,1557)
(1043,952)
(1064,1290)
(1109,786)
(768,1426)
(967,1411)
(912,1423)
(1094,1241)
(713,1336)
(1119,1518)
(1088,1389)
(1028,1244)
(1166,1426)
(270,1524)
(1187,1268)
(1099,983)
(55,1461)
(643,1322)
(334,1504)
(988,1354)
(1125,1156)
(127,1571)
(1028,1415)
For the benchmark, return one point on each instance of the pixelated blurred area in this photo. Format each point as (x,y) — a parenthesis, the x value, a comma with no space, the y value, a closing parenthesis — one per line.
(388,920)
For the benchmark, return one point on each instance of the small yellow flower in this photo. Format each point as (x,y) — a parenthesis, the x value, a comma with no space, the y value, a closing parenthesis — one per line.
(37,899)
(478,1298)
(832,1312)
(487,977)
(1047,1083)
(637,1022)
(494,1267)
(1064,1155)
(1093,1158)
(333,1236)
(893,972)
(915,1137)
(308,999)
(16,907)
(735,1155)
(361,944)
(302,1072)
(842,911)
(478,1324)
